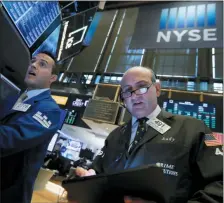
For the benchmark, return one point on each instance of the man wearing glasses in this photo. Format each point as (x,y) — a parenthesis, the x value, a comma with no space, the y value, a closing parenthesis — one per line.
(175,143)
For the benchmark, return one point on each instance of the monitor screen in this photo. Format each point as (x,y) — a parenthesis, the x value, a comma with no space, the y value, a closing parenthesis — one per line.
(50,44)
(202,111)
(71,117)
(68,147)
(76,106)
(32,18)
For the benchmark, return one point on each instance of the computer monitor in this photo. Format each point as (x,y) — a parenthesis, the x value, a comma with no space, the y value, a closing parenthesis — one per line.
(68,147)
(32,18)
(50,44)
(76,106)
(199,110)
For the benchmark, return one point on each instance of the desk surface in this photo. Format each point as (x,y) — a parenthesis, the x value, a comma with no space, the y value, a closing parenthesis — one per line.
(51,194)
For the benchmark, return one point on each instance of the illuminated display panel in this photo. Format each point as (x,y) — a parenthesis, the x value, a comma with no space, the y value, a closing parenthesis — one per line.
(32,18)
(202,111)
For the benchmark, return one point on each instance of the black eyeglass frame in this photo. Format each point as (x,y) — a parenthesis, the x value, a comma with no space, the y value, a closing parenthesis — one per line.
(134,91)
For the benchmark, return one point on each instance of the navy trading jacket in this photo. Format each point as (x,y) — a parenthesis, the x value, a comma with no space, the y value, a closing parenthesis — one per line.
(190,157)
(24,138)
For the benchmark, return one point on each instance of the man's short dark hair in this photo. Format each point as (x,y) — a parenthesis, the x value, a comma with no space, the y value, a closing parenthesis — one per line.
(55,69)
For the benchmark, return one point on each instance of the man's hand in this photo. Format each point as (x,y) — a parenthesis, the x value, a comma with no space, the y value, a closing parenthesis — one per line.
(128,199)
(83,172)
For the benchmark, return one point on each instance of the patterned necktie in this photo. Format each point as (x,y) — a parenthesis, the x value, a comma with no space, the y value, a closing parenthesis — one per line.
(139,133)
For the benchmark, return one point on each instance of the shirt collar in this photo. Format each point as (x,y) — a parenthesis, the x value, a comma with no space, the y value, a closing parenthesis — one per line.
(33,93)
(154,114)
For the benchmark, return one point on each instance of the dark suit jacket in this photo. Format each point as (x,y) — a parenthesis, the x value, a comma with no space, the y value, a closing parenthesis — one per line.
(24,137)
(188,164)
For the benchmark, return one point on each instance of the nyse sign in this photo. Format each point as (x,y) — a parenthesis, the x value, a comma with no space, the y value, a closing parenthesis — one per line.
(179,25)
(193,35)
(192,23)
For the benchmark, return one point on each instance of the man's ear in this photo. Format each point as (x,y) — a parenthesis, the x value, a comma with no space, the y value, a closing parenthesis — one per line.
(53,78)
(158,88)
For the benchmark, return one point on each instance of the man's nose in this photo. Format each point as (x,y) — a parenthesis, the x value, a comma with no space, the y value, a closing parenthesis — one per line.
(134,96)
(33,65)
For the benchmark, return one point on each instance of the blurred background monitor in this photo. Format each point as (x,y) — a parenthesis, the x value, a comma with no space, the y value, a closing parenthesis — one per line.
(68,147)
(49,44)
(76,106)
(199,110)
(35,20)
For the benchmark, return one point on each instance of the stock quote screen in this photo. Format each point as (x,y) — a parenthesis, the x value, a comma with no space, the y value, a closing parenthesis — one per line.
(32,18)
(202,111)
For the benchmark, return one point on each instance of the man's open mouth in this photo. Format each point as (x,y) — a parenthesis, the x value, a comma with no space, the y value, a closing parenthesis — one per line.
(32,73)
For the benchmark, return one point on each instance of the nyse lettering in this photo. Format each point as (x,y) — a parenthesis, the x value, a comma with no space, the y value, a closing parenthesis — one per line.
(193,35)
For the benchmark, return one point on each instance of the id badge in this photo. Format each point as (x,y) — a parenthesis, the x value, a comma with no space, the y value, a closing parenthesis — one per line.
(158,125)
(21,107)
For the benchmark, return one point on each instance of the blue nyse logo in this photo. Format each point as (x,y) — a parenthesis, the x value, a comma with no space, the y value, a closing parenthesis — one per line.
(188,20)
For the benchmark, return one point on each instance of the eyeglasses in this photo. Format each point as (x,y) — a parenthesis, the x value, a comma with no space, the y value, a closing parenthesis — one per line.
(139,91)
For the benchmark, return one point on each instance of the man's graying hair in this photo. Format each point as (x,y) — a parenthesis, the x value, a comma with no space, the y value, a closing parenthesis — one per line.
(153,78)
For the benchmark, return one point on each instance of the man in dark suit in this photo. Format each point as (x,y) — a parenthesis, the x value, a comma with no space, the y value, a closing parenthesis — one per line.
(180,145)
(26,127)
